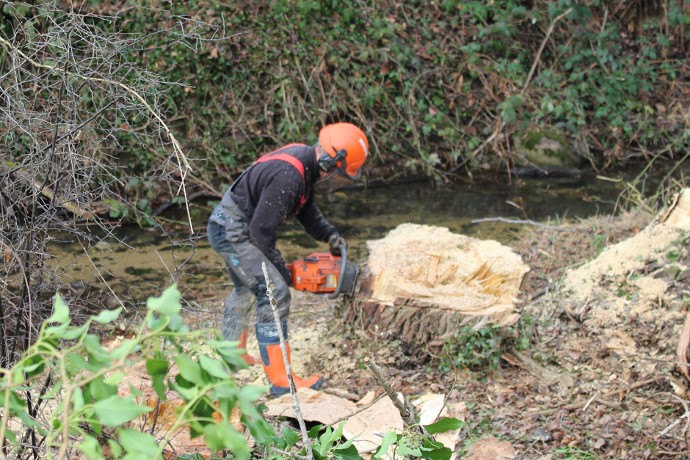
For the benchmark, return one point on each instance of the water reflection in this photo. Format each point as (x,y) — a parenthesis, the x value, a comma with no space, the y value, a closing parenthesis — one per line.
(371,213)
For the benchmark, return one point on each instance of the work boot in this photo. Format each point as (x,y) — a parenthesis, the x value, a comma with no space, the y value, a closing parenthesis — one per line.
(274,366)
(249,359)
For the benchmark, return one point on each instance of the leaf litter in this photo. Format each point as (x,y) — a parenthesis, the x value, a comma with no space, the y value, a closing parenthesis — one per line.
(603,307)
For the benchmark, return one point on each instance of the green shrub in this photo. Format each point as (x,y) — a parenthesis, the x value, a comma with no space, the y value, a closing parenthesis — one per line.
(69,374)
(67,394)
(474,349)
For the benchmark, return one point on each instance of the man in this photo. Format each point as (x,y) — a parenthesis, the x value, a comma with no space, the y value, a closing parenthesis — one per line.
(243,227)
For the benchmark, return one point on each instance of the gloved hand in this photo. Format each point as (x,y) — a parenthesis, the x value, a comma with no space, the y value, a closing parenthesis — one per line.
(335,241)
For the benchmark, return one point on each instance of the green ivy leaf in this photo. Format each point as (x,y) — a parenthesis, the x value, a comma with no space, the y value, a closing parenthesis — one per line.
(75,332)
(77,399)
(115,448)
(52,391)
(60,311)
(91,448)
(108,316)
(100,390)
(176,324)
(56,331)
(77,363)
(388,440)
(346,451)
(167,304)
(249,394)
(125,348)
(324,442)
(213,367)
(16,403)
(114,411)
(189,369)
(290,437)
(330,438)
(139,445)
(314,431)
(223,436)
(443,425)
(156,322)
(261,430)
(114,378)
(93,346)
(158,369)
(185,389)
(34,365)
(439,452)
(196,428)
(229,391)
(230,353)
(30,422)
(204,410)
(9,434)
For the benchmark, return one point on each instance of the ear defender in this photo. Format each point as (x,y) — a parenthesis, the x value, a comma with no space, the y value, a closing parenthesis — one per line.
(328,163)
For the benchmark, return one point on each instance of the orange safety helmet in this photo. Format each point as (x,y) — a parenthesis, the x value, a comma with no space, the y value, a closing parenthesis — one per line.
(346,147)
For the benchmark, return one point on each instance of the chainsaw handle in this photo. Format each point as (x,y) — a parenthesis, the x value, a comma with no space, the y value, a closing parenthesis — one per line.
(343,265)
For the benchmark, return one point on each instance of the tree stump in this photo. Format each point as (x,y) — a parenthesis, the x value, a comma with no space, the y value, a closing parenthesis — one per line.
(421,284)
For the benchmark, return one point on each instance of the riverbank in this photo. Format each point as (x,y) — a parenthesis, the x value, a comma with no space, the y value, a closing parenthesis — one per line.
(585,387)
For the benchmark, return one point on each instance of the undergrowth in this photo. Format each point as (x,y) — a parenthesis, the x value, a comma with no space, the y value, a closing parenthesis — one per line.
(441,89)
(72,394)
(481,349)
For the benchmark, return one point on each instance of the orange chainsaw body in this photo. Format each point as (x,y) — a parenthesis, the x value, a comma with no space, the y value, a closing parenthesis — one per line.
(321,272)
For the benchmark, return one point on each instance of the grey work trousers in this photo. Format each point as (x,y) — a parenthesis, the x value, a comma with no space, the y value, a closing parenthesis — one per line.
(243,261)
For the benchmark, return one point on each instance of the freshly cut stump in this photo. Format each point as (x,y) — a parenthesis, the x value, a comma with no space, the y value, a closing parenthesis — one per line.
(420,284)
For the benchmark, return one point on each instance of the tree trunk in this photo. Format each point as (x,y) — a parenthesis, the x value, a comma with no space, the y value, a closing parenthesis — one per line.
(421,284)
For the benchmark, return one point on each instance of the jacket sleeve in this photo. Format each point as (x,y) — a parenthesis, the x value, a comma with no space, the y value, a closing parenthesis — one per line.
(314,222)
(275,202)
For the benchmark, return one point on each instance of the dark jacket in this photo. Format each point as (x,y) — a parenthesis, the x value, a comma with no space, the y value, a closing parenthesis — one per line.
(270,192)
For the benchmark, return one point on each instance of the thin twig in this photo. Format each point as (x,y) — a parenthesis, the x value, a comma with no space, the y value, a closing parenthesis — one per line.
(666,430)
(523,221)
(537,58)
(405,413)
(584,404)
(183,163)
(501,124)
(286,361)
(360,410)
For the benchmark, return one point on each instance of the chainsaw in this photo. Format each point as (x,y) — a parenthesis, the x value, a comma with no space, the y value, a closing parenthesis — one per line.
(324,273)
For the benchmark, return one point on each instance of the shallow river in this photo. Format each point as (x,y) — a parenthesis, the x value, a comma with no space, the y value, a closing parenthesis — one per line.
(147,261)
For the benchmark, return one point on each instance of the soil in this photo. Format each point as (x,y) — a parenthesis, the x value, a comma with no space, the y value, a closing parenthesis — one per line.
(598,378)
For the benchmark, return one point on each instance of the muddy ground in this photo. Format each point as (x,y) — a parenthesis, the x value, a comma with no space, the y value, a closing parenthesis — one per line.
(587,385)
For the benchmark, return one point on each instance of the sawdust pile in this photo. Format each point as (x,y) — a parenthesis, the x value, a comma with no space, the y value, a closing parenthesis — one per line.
(633,297)
(629,280)
(437,268)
